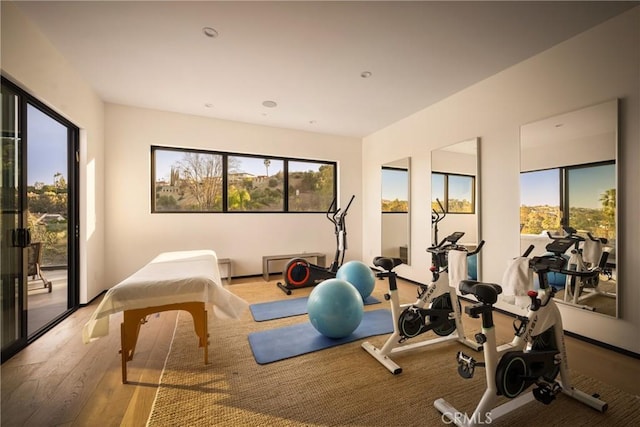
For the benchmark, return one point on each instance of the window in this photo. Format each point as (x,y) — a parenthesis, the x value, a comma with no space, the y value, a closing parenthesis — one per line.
(185,180)
(395,190)
(591,198)
(311,186)
(540,206)
(255,184)
(455,192)
(582,197)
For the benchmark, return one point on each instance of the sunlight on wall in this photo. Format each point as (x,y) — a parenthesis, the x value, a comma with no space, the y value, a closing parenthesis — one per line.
(91,198)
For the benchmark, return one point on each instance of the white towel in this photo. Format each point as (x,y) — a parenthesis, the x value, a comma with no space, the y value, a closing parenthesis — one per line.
(516,282)
(457,266)
(592,252)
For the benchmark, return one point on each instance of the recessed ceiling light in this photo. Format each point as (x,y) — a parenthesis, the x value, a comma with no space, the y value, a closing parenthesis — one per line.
(210,32)
(365,74)
(270,104)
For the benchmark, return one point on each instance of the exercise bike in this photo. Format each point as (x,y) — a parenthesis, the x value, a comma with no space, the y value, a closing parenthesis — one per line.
(579,289)
(443,315)
(535,356)
(300,273)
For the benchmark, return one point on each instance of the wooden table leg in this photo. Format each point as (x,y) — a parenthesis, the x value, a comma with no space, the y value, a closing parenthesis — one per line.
(133,319)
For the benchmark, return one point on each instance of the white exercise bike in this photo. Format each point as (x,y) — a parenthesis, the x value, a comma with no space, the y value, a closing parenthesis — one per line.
(536,355)
(443,315)
(584,258)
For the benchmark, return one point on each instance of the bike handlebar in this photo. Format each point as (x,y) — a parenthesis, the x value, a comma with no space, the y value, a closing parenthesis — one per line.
(476,250)
(587,273)
(443,248)
(528,251)
(556,264)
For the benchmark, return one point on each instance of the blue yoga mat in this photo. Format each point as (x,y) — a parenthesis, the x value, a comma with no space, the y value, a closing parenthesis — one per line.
(295,340)
(287,308)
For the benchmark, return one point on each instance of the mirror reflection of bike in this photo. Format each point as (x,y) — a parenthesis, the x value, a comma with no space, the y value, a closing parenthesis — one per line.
(585,254)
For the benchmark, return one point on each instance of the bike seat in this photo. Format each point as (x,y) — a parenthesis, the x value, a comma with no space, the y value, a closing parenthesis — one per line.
(486,293)
(386,263)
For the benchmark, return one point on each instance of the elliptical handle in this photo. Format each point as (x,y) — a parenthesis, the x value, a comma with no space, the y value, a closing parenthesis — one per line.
(331,206)
(436,216)
(440,204)
(344,212)
(339,213)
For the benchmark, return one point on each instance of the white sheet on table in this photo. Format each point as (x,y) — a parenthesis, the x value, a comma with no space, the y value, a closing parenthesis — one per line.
(170,278)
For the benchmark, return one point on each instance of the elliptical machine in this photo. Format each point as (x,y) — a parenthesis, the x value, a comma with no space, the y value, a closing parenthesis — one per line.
(443,315)
(300,273)
(536,355)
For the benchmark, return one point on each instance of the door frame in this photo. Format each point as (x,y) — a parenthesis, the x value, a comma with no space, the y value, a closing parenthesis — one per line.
(73,212)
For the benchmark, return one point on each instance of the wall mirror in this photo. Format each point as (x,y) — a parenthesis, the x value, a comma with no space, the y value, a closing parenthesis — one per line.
(568,176)
(455,183)
(396,185)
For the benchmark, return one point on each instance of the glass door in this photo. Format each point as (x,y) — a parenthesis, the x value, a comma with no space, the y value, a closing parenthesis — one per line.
(39,219)
(14,235)
(47,219)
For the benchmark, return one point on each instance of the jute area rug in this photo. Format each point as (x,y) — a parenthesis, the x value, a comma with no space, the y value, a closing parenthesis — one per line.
(340,386)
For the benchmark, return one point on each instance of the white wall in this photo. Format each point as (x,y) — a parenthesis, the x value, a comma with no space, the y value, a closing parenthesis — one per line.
(29,60)
(134,235)
(579,151)
(598,65)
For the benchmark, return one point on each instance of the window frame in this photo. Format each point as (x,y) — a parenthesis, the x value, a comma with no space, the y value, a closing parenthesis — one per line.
(445,202)
(398,169)
(564,187)
(225,180)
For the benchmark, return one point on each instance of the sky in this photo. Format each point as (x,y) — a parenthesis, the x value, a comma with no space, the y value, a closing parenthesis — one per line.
(585,186)
(252,165)
(395,184)
(47,147)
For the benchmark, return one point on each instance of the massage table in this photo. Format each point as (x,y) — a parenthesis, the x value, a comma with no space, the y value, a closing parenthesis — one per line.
(185,280)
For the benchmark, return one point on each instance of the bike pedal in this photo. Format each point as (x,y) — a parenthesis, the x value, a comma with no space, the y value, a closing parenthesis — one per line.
(543,395)
(466,365)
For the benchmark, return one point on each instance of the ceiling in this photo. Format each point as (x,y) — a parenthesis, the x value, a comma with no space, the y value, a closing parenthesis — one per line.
(307,57)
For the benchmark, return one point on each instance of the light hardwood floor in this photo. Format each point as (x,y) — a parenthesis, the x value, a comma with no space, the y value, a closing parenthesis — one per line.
(58,381)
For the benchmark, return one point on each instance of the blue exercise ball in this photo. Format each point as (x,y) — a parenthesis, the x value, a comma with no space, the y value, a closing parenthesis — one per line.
(359,275)
(335,308)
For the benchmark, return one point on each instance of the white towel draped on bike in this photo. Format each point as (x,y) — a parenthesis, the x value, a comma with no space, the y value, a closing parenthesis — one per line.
(457,268)
(592,252)
(517,280)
